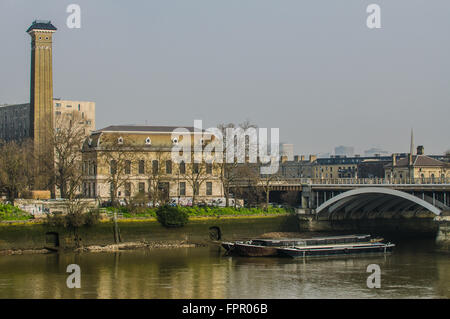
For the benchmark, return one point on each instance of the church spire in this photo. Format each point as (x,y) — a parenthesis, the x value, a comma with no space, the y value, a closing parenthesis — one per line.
(411,150)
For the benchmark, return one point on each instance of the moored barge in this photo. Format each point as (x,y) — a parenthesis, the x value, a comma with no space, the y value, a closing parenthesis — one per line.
(269,247)
(333,250)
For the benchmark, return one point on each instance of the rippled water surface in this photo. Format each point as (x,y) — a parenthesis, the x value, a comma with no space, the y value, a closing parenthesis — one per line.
(414,270)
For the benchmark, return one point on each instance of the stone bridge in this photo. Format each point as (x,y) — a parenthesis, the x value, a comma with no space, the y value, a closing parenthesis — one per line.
(342,199)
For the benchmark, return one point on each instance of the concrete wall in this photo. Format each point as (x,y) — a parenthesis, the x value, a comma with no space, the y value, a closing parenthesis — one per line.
(401,225)
(33,236)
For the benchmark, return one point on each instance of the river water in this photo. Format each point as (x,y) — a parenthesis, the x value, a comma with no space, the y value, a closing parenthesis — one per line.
(416,269)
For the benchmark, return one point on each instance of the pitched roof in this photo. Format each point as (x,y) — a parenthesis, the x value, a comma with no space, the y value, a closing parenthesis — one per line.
(420,160)
(42,25)
(143,128)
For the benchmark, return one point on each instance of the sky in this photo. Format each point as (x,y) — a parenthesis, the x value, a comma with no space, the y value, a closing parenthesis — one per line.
(311,68)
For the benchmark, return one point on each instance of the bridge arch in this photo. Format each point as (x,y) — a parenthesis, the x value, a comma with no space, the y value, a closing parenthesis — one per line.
(374,198)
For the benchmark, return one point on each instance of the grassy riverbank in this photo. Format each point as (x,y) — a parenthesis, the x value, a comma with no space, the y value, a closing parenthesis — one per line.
(200,229)
(150,212)
(9,212)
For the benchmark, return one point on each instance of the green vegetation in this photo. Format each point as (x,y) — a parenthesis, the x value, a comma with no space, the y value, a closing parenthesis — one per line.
(10,212)
(172,216)
(126,212)
(73,220)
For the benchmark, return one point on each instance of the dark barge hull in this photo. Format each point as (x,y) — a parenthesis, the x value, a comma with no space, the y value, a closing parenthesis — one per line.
(254,250)
(336,250)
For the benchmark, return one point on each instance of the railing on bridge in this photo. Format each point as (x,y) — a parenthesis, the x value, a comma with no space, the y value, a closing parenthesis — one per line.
(286,181)
(376,181)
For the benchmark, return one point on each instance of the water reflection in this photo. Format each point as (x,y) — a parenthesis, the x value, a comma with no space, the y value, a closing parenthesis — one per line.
(415,269)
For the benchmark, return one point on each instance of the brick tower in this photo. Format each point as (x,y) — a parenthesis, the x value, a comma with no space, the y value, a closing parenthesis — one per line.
(41,90)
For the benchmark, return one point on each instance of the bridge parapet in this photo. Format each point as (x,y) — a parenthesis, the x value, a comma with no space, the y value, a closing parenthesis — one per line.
(286,181)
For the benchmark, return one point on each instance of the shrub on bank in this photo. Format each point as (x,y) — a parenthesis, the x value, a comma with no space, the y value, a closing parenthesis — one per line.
(10,212)
(73,220)
(172,216)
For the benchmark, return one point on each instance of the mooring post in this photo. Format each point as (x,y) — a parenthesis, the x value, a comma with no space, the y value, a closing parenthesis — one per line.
(116,232)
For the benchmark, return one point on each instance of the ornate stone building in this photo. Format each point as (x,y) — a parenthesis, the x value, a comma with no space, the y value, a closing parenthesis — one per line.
(124,161)
(417,168)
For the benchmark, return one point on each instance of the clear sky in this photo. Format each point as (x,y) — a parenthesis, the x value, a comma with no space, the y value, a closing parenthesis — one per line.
(309,67)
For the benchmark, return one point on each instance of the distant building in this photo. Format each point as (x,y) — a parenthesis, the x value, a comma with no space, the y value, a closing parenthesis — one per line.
(299,167)
(323,155)
(15,119)
(420,166)
(348,151)
(287,150)
(374,151)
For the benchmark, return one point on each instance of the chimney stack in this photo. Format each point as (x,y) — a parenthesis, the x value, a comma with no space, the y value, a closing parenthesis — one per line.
(420,150)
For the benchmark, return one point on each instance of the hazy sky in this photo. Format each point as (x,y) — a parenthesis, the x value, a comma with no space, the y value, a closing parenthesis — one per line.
(310,67)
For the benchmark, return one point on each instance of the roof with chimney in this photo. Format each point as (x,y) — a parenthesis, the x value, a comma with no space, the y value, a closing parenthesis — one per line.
(419,161)
(42,25)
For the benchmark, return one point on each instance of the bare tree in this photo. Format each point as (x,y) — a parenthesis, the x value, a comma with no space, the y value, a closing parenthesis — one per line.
(68,138)
(118,156)
(157,169)
(17,165)
(266,181)
(227,171)
(246,184)
(196,174)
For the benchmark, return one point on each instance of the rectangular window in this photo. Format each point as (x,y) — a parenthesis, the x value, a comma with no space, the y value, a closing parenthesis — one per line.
(141,167)
(142,187)
(58,104)
(85,189)
(182,188)
(113,167)
(127,167)
(182,168)
(168,167)
(195,168)
(127,189)
(208,168)
(155,167)
(68,105)
(208,188)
